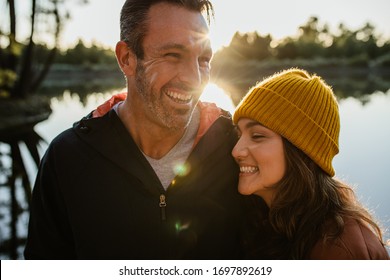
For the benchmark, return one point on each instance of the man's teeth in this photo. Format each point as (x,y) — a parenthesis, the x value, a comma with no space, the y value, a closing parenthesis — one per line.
(179,96)
(248,169)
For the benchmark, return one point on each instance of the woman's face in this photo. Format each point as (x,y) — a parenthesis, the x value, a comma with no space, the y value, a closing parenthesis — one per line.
(260,154)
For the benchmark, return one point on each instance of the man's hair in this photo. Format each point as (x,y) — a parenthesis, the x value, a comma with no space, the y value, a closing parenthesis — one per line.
(133,19)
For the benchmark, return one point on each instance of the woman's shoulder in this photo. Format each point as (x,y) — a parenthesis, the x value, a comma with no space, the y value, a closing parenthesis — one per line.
(356,242)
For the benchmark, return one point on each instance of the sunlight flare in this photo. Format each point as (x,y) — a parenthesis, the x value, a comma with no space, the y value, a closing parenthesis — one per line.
(214,94)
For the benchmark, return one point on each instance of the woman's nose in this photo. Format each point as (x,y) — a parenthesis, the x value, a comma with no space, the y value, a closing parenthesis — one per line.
(239,151)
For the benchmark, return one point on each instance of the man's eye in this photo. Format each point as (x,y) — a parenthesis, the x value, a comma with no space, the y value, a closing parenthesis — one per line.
(174,55)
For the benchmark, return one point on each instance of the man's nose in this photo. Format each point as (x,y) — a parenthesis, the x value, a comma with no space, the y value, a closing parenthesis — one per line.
(192,74)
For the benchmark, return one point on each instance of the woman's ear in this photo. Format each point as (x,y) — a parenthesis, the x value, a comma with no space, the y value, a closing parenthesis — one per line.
(126,58)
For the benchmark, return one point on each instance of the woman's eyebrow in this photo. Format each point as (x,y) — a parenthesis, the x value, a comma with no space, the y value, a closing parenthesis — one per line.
(248,125)
(251,124)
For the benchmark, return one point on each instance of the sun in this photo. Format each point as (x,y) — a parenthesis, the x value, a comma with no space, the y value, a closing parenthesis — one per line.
(214,94)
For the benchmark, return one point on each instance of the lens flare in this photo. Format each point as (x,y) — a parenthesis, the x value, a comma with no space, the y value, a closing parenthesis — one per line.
(181,169)
(180,227)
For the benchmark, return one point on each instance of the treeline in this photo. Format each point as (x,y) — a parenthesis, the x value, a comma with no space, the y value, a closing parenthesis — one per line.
(80,55)
(346,54)
(361,47)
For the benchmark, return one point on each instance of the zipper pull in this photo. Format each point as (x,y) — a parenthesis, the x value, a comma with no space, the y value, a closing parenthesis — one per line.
(162,205)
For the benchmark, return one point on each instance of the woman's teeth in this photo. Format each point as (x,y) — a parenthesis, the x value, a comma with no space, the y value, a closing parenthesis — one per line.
(248,169)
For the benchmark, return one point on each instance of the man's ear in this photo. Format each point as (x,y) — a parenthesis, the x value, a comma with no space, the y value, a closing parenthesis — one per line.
(126,59)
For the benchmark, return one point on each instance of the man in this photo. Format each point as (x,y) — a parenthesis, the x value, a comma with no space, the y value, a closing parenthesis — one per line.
(153,178)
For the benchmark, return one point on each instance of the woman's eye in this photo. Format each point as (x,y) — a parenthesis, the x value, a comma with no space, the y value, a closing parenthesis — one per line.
(257,136)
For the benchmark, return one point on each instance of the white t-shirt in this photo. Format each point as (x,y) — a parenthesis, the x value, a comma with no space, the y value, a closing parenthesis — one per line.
(173,163)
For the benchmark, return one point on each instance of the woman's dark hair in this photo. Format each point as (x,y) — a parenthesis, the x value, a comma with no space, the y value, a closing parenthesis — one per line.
(133,19)
(309,205)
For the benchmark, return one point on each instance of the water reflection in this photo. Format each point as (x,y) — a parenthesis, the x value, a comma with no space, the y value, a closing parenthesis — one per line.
(357,83)
(364,159)
(68,108)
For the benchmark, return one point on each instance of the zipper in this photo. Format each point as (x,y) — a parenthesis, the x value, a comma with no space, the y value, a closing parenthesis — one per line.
(162,205)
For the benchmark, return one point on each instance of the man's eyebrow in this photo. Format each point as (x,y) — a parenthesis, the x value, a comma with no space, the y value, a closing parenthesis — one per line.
(181,47)
(172,46)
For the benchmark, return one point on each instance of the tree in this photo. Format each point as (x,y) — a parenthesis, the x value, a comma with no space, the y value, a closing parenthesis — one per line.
(20,75)
(308,44)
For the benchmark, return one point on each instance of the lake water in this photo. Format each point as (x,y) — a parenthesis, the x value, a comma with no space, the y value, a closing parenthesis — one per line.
(363,161)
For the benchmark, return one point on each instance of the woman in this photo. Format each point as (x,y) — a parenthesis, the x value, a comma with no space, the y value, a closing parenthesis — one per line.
(288,128)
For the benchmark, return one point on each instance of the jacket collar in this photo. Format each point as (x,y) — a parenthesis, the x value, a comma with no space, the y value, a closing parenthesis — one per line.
(109,137)
(209,113)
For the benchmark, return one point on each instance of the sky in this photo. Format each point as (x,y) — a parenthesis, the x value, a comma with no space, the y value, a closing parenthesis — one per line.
(99,20)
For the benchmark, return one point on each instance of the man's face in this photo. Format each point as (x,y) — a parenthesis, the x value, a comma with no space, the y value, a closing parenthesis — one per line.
(176,65)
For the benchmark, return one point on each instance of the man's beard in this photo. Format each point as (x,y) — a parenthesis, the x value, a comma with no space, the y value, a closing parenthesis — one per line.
(154,104)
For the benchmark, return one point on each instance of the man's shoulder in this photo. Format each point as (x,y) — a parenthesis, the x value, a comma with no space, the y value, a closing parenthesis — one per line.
(85,127)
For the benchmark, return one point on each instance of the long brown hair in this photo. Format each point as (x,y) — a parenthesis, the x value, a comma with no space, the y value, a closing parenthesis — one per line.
(309,205)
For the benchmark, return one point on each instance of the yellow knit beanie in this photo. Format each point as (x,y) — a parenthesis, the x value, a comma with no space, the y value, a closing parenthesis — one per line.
(301,108)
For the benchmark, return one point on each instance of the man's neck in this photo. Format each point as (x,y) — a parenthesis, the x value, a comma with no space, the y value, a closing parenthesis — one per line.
(153,140)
